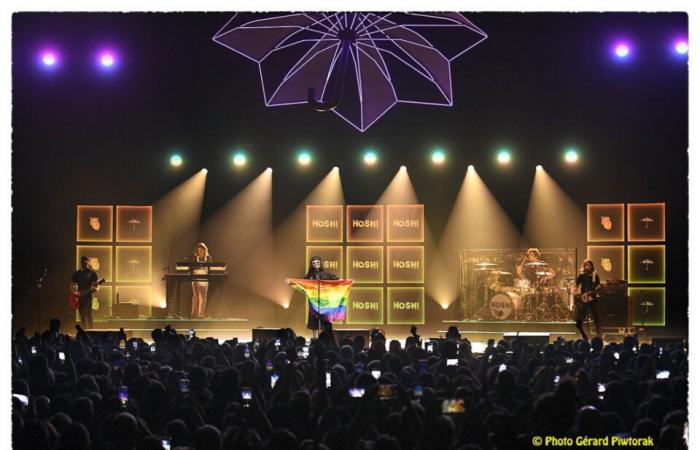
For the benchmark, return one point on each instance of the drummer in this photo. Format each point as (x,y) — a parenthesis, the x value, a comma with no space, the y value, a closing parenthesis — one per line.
(533,268)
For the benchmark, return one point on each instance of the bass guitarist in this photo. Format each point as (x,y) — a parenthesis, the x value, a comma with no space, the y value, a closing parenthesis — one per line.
(586,297)
(85,280)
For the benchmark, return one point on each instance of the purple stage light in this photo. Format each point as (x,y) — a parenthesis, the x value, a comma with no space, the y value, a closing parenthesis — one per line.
(107,59)
(681,47)
(622,50)
(48,58)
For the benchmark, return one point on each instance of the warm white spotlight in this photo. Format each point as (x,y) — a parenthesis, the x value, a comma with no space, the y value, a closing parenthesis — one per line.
(204,171)
(539,167)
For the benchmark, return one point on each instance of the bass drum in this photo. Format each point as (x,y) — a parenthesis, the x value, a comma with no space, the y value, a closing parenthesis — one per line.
(505,306)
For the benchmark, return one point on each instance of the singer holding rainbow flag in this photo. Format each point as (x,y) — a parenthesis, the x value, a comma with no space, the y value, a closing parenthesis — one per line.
(325,293)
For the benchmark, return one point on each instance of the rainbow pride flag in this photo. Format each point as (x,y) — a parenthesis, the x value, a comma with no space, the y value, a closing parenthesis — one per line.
(333,298)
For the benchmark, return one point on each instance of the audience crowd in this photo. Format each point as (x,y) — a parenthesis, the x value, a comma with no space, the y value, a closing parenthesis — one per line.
(104,391)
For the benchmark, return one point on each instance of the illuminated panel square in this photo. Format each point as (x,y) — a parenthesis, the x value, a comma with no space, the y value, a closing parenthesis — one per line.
(609,261)
(405,264)
(365,306)
(94,223)
(133,264)
(139,295)
(405,305)
(331,255)
(365,264)
(100,259)
(606,223)
(365,223)
(648,305)
(646,264)
(104,298)
(646,222)
(324,223)
(134,223)
(404,223)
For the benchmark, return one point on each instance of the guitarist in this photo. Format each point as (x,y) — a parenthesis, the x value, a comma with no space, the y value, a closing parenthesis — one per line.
(586,283)
(85,280)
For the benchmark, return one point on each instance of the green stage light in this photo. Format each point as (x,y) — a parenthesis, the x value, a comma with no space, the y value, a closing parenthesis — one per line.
(239,159)
(176,160)
(503,157)
(438,157)
(370,158)
(304,158)
(571,156)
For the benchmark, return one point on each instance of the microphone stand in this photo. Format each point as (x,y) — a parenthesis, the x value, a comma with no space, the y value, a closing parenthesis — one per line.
(318,301)
(39,291)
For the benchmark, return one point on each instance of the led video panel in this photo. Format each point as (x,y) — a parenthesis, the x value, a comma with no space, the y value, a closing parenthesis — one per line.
(365,223)
(94,223)
(646,222)
(646,264)
(609,261)
(331,256)
(365,306)
(606,222)
(100,259)
(324,223)
(405,305)
(405,264)
(133,264)
(134,223)
(405,223)
(648,305)
(365,264)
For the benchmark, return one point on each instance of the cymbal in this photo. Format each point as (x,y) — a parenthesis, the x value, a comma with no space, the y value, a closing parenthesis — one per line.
(486,264)
(483,269)
(536,263)
(500,272)
(544,274)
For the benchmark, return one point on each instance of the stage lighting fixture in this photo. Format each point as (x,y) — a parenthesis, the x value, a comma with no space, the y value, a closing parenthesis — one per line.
(286,306)
(49,58)
(539,167)
(239,159)
(204,171)
(504,157)
(304,158)
(438,157)
(176,160)
(571,156)
(470,167)
(402,168)
(370,158)
(269,169)
(622,50)
(107,59)
(681,47)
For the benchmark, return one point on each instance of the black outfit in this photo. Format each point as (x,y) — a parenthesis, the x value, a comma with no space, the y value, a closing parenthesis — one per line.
(312,321)
(588,282)
(84,279)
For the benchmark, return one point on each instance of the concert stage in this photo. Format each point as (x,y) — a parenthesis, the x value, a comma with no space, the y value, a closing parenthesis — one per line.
(221,329)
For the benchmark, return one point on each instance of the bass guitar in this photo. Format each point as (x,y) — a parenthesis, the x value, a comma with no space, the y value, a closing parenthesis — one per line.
(75,295)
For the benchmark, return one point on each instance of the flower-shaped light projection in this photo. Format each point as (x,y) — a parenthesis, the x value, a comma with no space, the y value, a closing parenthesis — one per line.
(358,65)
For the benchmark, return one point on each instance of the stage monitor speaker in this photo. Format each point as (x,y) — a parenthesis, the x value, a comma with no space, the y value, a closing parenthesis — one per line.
(613,310)
(531,337)
(265,334)
(159,313)
(125,310)
(351,333)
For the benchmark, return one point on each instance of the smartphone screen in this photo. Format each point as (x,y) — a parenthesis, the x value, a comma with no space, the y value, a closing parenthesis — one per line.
(429,347)
(165,443)
(273,380)
(153,348)
(662,374)
(22,398)
(556,379)
(184,385)
(601,388)
(616,355)
(135,344)
(356,392)
(61,356)
(33,350)
(246,352)
(268,364)
(191,333)
(277,344)
(569,360)
(328,379)
(385,391)
(376,374)
(502,367)
(123,394)
(452,362)
(418,391)
(246,395)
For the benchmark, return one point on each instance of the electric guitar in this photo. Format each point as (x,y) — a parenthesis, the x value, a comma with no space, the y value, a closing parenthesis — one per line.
(75,295)
(588,296)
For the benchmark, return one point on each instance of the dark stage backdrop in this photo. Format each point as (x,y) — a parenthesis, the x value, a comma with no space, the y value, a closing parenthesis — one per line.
(540,82)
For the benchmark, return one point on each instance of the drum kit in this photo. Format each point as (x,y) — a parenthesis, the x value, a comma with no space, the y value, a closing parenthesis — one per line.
(501,296)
